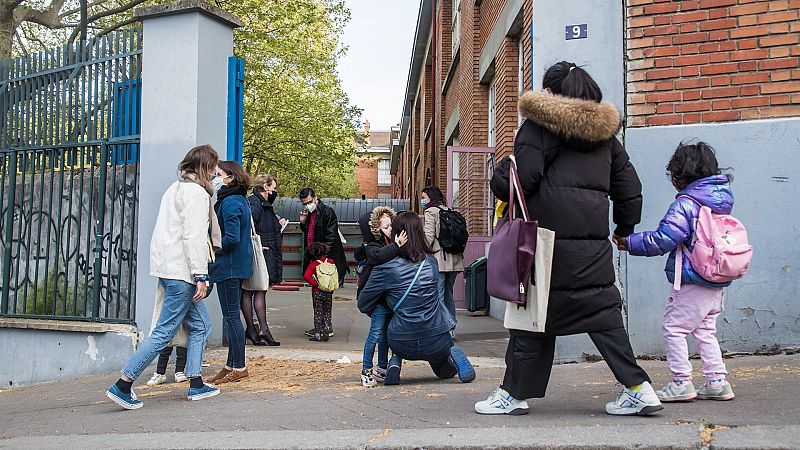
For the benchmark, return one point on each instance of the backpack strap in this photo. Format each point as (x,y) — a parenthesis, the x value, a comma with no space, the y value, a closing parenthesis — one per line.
(397,305)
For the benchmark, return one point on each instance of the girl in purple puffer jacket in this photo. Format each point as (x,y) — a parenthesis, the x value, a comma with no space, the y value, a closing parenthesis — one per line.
(694,308)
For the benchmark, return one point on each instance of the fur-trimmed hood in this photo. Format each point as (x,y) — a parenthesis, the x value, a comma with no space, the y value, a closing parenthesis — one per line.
(375,219)
(571,118)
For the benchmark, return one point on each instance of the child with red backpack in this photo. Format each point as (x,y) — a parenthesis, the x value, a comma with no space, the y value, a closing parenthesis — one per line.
(707,250)
(323,277)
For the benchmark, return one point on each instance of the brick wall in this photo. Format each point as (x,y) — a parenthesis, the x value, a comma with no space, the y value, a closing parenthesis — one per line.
(712,60)
(367,178)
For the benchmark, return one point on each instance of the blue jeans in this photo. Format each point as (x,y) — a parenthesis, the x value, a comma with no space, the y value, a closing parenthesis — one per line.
(178,307)
(230,297)
(446,282)
(435,350)
(378,324)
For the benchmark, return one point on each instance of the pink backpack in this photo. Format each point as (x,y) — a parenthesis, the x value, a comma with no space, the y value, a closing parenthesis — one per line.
(721,252)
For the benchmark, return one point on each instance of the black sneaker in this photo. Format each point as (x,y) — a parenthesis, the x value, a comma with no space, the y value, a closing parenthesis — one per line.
(393,371)
(311,332)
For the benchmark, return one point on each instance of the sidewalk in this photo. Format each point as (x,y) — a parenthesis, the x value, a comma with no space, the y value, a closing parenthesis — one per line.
(295,399)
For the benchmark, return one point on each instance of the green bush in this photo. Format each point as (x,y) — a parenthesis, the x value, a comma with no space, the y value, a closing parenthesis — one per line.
(47,297)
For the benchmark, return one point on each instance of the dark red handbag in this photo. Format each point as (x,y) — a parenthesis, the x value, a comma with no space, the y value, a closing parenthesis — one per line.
(513,245)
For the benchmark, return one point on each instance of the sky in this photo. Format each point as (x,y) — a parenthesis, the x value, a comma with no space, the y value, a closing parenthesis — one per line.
(374,72)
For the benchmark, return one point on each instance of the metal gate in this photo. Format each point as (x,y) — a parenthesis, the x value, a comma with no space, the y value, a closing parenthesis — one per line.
(469,170)
(69,139)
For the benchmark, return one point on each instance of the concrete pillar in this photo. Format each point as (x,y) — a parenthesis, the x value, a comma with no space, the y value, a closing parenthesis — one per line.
(184,103)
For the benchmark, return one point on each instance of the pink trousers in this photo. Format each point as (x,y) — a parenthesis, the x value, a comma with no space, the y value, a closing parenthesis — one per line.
(693,310)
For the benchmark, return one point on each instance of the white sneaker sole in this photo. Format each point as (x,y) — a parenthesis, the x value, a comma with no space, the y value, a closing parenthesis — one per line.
(122,402)
(644,411)
(678,398)
(497,412)
(723,398)
(203,395)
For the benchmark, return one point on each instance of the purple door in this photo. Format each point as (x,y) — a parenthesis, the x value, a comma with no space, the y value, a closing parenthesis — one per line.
(469,170)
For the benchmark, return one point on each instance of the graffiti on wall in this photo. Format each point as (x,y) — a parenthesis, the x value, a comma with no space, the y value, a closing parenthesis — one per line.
(60,247)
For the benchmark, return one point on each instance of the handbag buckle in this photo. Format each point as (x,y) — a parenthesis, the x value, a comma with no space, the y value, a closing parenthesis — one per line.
(521,288)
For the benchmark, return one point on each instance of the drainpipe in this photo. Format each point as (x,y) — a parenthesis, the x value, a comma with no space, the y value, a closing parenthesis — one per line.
(434,85)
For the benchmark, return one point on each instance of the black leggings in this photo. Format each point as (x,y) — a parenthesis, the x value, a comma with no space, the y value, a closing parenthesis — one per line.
(529,360)
(163,359)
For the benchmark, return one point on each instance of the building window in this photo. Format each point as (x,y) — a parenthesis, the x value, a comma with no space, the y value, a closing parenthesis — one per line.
(492,114)
(456,28)
(384,177)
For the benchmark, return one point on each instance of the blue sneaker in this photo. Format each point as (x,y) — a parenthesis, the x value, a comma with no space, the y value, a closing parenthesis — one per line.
(127,401)
(393,371)
(466,372)
(208,390)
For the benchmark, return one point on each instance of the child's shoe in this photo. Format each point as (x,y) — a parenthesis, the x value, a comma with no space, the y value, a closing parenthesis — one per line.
(501,402)
(641,402)
(367,380)
(677,391)
(180,377)
(311,332)
(208,390)
(319,337)
(157,378)
(716,390)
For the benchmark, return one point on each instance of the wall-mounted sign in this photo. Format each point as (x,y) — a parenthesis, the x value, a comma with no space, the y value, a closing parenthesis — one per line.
(580,31)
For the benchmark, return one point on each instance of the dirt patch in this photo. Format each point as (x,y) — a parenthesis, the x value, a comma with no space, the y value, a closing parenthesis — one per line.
(291,376)
(754,373)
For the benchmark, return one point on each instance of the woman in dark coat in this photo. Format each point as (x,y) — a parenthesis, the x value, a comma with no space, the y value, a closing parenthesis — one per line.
(268,227)
(570,164)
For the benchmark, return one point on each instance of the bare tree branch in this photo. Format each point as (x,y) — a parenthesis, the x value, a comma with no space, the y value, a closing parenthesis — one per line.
(70,12)
(117,26)
(106,13)
(46,17)
(21,42)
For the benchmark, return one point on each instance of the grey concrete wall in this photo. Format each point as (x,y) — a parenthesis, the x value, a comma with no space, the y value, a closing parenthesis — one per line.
(33,356)
(600,53)
(761,310)
(185,64)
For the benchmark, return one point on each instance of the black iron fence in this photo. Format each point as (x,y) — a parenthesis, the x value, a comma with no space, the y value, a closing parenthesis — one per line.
(69,135)
(68,230)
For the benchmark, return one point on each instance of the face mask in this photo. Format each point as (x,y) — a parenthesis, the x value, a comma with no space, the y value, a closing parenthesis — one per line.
(424,203)
(311,207)
(272,196)
(217,183)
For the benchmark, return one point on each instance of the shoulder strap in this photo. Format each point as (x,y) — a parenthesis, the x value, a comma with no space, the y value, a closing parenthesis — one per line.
(397,305)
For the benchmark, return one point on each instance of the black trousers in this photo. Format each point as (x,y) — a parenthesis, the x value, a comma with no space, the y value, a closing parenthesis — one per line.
(163,359)
(529,361)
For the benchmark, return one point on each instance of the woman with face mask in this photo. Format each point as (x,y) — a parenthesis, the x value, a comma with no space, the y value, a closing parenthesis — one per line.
(234,262)
(268,227)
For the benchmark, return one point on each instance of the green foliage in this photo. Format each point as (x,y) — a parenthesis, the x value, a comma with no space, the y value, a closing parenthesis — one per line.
(47,297)
(299,124)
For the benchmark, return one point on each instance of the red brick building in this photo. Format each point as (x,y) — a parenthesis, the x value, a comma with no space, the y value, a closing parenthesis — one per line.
(372,165)
(723,71)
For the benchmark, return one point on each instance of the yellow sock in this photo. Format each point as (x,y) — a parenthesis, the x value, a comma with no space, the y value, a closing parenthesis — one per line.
(636,388)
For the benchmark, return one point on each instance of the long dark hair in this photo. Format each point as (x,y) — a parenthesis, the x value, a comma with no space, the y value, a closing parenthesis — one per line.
(240,178)
(567,79)
(416,248)
(435,194)
(692,162)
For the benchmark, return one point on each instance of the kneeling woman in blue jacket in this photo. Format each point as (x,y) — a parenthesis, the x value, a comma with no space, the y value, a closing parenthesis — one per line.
(420,327)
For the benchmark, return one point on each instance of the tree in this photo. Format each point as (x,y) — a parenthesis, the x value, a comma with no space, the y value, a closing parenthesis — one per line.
(31,25)
(299,124)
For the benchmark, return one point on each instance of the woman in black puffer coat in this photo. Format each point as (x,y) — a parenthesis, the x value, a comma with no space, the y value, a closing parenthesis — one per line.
(569,165)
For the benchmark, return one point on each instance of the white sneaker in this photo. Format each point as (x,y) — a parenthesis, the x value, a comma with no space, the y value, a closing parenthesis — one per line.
(157,378)
(180,377)
(367,380)
(635,403)
(501,402)
(677,391)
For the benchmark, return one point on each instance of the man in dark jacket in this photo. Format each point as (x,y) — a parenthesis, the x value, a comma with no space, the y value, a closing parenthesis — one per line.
(319,224)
